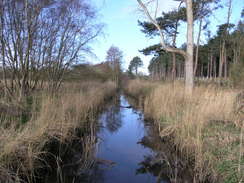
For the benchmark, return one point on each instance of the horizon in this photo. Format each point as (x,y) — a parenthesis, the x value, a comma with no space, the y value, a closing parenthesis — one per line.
(122,30)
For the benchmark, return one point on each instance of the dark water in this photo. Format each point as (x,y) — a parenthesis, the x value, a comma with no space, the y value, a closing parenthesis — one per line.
(123,148)
(120,145)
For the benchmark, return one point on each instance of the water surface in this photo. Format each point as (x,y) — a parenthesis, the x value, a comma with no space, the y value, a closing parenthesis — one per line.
(126,159)
(128,150)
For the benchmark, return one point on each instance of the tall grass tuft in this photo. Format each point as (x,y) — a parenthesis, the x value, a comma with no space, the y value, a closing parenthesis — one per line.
(52,118)
(203,126)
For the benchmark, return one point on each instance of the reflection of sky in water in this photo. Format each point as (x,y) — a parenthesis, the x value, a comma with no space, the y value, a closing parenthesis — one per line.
(121,146)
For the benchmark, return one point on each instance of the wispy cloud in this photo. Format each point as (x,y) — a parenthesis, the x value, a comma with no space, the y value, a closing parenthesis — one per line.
(163,6)
(131,8)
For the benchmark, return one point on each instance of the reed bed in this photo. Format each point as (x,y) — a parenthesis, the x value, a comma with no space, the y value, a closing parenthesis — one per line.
(204,126)
(52,118)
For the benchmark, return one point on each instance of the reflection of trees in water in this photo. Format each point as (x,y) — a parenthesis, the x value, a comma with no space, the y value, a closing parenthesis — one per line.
(155,164)
(150,166)
(113,116)
(165,163)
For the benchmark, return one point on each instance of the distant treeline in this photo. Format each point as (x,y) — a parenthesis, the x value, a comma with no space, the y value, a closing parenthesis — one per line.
(220,56)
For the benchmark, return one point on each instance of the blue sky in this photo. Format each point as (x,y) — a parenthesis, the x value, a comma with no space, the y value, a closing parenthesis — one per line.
(121,29)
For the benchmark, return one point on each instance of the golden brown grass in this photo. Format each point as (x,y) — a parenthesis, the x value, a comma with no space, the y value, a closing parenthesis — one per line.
(137,87)
(53,117)
(204,126)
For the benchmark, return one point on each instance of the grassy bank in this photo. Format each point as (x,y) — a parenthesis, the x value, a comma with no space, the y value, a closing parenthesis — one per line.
(51,118)
(205,127)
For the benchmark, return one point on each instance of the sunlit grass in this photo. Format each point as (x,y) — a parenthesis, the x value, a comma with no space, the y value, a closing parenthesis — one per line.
(204,126)
(52,118)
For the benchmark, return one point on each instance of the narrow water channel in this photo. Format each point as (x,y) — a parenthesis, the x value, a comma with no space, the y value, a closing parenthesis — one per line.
(123,156)
(125,149)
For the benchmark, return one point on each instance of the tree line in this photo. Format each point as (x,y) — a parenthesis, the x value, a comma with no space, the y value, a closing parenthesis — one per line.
(218,57)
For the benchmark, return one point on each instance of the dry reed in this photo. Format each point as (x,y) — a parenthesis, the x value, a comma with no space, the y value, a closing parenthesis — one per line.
(204,126)
(52,118)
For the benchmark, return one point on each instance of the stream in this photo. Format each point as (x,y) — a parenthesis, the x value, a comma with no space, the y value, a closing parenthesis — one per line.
(127,149)
(120,144)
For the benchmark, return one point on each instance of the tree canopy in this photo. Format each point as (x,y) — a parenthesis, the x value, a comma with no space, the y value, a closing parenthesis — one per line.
(135,63)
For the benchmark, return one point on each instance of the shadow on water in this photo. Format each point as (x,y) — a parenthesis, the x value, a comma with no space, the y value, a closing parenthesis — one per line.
(124,148)
(130,149)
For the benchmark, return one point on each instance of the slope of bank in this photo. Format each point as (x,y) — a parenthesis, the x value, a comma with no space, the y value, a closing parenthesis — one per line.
(205,127)
(52,119)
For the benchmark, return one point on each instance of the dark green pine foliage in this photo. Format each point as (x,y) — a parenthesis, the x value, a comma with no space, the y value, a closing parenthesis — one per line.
(169,23)
(209,53)
(135,63)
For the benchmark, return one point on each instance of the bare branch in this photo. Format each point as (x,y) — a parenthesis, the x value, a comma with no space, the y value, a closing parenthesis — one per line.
(162,40)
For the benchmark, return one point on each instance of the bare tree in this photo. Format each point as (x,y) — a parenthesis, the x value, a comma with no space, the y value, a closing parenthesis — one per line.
(41,39)
(188,54)
(114,58)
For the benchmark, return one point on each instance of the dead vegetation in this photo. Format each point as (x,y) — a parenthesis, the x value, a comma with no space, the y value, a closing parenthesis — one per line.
(53,118)
(205,126)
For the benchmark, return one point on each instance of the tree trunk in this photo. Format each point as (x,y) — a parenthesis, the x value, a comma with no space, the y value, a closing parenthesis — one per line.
(223,62)
(178,70)
(215,68)
(208,70)
(188,55)
(225,65)
(173,66)
(221,59)
(211,65)
(197,49)
(174,54)
(202,75)
(189,75)
(4,79)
